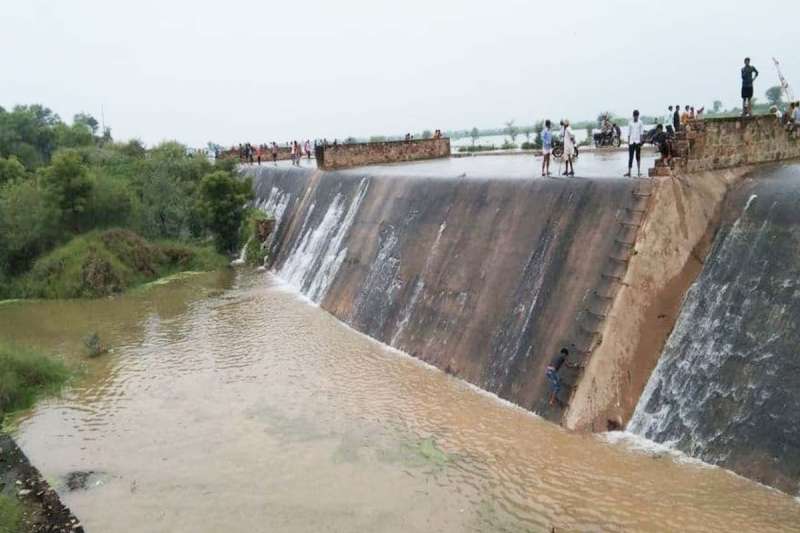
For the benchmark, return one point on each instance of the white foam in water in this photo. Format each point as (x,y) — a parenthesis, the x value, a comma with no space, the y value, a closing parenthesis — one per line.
(313,264)
(640,444)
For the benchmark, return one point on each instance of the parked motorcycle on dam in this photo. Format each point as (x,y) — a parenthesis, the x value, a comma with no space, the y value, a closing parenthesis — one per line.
(558,149)
(610,137)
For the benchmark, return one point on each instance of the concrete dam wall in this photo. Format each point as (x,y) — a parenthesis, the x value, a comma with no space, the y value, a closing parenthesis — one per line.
(677,295)
(483,278)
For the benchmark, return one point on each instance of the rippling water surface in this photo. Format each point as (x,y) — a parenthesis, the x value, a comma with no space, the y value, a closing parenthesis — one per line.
(230,404)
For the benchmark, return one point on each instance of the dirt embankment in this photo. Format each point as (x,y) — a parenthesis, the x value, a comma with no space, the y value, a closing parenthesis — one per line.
(42,509)
(671,247)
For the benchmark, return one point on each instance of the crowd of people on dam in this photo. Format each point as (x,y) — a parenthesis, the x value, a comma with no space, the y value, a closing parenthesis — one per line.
(258,153)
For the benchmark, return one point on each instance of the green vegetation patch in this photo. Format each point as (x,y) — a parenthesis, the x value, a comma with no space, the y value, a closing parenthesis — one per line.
(27,374)
(103,263)
(10,515)
(255,252)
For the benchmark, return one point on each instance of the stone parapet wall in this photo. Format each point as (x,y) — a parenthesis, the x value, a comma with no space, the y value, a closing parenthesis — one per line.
(332,157)
(720,143)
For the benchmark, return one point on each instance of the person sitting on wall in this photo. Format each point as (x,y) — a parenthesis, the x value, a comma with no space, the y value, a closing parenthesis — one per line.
(661,140)
(552,375)
(796,116)
(788,117)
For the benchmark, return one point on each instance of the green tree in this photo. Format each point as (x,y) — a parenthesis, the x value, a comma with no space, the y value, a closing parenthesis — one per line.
(86,120)
(475,134)
(28,133)
(73,136)
(221,202)
(68,186)
(166,206)
(10,170)
(133,148)
(427,134)
(716,106)
(29,225)
(775,95)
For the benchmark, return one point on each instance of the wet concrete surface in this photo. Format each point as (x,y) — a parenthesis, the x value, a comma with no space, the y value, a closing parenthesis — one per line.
(590,164)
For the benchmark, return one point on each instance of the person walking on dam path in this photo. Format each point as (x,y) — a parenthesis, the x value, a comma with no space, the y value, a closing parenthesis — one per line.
(635,134)
(568,139)
(749,75)
(552,375)
(547,148)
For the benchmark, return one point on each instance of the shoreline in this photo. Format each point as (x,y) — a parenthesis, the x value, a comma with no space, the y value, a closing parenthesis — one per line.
(42,507)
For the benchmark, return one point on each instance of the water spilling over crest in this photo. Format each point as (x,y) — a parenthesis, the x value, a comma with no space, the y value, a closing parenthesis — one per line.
(314,261)
(232,405)
(725,388)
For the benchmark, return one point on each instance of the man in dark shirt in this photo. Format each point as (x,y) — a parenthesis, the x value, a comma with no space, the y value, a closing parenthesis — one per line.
(676,119)
(552,374)
(749,74)
(661,140)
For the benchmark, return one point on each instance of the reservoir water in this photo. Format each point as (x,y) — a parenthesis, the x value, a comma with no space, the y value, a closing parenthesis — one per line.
(229,403)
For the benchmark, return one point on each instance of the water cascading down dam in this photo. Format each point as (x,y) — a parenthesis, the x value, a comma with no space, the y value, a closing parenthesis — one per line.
(676,294)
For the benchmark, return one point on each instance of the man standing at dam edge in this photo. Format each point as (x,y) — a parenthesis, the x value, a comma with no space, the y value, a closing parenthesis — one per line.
(635,133)
(749,75)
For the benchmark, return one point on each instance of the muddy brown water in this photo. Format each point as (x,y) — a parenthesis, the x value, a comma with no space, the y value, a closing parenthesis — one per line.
(229,403)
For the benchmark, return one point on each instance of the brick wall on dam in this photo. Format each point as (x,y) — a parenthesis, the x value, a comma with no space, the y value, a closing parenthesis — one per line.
(331,157)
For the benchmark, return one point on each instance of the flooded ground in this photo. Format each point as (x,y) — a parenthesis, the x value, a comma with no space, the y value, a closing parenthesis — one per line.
(230,404)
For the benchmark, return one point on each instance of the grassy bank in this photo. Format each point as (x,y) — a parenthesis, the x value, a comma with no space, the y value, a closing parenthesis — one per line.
(26,375)
(10,515)
(103,263)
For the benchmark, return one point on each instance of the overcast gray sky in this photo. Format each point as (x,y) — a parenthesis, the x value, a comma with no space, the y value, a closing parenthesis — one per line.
(263,70)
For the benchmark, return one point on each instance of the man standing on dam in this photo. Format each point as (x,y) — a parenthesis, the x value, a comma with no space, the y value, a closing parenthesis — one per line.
(749,75)
(635,134)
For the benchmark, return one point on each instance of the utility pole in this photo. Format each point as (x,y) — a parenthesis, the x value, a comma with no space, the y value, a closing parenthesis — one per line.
(784,84)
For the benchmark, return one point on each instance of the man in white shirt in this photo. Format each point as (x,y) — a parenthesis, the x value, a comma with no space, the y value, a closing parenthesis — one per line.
(635,134)
(668,118)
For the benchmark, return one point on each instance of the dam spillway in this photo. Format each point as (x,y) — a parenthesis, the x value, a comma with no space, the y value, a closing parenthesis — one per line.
(483,277)
(486,271)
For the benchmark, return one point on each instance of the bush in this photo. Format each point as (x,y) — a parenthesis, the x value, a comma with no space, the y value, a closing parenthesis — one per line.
(104,263)
(221,201)
(508,145)
(25,375)
(255,252)
(477,148)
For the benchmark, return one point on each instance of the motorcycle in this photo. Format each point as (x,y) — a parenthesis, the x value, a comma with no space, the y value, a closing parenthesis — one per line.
(558,149)
(610,137)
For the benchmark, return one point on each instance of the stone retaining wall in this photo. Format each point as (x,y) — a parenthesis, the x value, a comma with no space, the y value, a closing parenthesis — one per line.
(333,157)
(720,143)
